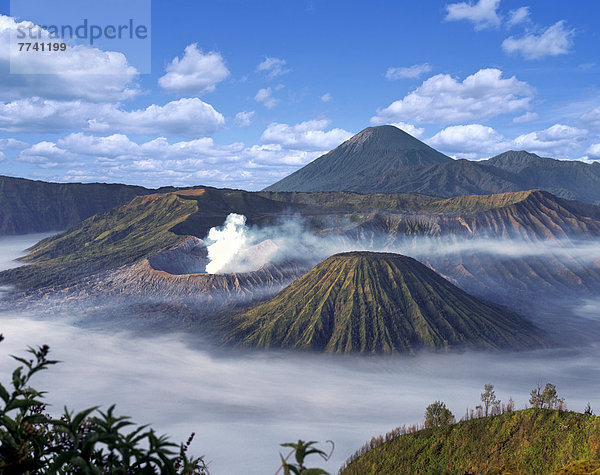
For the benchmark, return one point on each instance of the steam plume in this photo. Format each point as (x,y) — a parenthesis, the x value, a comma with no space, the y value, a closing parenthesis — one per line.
(226,242)
(235,247)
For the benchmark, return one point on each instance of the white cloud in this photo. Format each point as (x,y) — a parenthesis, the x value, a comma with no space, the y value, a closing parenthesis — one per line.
(559,140)
(265,97)
(80,72)
(553,41)
(157,162)
(517,16)
(482,14)
(196,72)
(273,67)
(309,135)
(469,141)
(444,99)
(327,97)
(412,72)
(244,118)
(409,129)
(87,86)
(110,146)
(285,148)
(12,143)
(122,147)
(275,157)
(46,115)
(475,141)
(527,117)
(592,118)
(593,151)
(47,155)
(185,117)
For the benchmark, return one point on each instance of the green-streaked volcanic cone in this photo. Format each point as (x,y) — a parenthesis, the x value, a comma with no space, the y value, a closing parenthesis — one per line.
(369,302)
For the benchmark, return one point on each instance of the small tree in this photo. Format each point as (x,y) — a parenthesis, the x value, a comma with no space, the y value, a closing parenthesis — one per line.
(437,414)
(588,410)
(489,400)
(546,398)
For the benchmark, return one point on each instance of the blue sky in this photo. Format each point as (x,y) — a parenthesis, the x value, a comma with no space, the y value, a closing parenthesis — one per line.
(242,93)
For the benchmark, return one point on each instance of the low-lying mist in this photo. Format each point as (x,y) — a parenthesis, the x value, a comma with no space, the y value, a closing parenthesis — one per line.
(13,247)
(236,247)
(242,405)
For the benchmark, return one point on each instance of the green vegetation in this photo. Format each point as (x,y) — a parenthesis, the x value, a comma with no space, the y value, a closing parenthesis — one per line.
(213,206)
(301,450)
(580,467)
(377,160)
(547,398)
(437,415)
(478,203)
(540,440)
(378,303)
(529,441)
(93,442)
(348,202)
(415,202)
(143,227)
(489,400)
(524,214)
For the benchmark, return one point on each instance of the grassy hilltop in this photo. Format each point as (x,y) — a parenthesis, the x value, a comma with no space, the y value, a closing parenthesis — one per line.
(533,441)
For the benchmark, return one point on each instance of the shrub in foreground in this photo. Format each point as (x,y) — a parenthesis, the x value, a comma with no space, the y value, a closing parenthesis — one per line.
(88,442)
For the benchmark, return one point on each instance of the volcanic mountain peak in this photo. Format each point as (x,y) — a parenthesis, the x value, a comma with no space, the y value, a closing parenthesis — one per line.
(383,137)
(378,303)
(373,152)
(386,159)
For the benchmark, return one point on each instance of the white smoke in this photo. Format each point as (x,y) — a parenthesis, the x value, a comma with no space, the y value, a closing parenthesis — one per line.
(225,243)
(235,247)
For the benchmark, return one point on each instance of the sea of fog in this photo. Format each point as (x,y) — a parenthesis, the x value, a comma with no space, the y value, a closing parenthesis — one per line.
(242,406)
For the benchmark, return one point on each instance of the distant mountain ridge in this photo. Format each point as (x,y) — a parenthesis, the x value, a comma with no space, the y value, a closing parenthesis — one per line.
(29,206)
(385,159)
(153,223)
(565,178)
